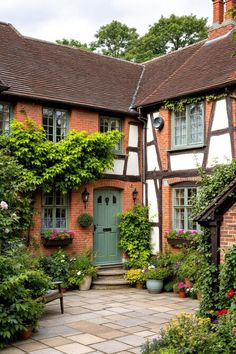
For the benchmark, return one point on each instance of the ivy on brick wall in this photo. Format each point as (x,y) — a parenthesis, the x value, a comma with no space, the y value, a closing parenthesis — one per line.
(180,105)
(65,165)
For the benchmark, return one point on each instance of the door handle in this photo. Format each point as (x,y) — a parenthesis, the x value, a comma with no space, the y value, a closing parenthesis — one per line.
(107,229)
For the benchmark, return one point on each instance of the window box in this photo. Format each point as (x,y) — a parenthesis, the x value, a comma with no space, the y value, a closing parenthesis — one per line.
(56,243)
(177,242)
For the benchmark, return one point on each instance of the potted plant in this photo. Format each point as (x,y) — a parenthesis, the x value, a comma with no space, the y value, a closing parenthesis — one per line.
(181,237)
(154,278)
(81,271)
(85,220)
(54,238)
(135,277)
(181,289)
(31,312)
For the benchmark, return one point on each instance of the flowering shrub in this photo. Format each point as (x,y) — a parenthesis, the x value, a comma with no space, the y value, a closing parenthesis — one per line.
(58,235)
(134,275)
(181,286)
(156,273)
(182,234)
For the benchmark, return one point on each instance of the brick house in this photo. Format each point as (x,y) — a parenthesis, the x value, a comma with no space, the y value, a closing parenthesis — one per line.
(64,88)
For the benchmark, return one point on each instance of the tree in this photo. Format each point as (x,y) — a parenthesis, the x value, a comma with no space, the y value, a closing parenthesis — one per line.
(74,43)
(114,39)
(168,34)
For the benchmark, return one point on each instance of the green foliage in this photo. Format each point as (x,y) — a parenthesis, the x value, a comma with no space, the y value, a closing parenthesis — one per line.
(158,273)
(80,267)
(114,39)
(228,278)
(56,266)
(16,217)
(212,185)
(135,234)
(134,275)
(20,284)
(85,220)
(74,43)
(180,105)
(168,34)
(75,160)
(191,266)
(190,334)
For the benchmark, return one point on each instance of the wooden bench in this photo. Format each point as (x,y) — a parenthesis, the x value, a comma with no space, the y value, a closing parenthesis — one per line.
(54,294)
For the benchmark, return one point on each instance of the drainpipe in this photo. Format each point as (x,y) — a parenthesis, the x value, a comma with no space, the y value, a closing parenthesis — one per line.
(143,175)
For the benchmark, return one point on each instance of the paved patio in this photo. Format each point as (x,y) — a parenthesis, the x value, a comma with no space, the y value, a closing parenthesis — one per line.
(98,321)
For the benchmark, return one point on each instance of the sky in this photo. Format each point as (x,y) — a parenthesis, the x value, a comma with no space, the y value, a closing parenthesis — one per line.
(80,19)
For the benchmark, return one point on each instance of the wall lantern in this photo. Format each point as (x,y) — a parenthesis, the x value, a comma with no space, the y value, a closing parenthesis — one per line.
(85,196)
(134,194)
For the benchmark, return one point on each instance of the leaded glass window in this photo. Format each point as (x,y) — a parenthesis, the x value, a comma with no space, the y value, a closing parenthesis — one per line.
(55,123)
(55,210)
(108,124)
(4,117)
(182,208)
(187,126)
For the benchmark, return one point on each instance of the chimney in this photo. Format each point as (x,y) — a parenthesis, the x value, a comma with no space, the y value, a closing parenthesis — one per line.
(218,11)
(229,4)
(223,21)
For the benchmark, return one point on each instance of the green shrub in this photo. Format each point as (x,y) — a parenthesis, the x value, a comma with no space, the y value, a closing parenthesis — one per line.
(135,234)
(80,267)
(134,275)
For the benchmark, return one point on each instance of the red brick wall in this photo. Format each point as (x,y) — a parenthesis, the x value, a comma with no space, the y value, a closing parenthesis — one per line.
(228,230)
(88,121)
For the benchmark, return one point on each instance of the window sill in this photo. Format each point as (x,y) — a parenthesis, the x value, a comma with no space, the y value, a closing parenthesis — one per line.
(119,155)
(187,148)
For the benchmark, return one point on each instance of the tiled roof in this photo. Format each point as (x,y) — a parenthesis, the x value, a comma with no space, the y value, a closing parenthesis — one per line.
(43,70)
(200,67)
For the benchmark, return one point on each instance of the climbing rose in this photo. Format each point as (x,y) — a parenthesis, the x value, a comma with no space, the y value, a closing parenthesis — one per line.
(230,293)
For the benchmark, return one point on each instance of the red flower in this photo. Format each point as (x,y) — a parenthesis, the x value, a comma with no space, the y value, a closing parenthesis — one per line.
(222,312)
(230,293)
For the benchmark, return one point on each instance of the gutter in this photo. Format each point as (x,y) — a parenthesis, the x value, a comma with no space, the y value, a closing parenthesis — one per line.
(143,175)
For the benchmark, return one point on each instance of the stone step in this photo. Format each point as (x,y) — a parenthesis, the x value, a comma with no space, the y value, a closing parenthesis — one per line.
(110,277)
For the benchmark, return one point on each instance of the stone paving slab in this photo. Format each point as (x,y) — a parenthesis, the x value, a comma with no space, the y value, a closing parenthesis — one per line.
(103,322)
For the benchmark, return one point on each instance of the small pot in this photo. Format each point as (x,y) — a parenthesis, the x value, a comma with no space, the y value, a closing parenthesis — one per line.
(182,294)
(27,333)
(139,285)
(86,283)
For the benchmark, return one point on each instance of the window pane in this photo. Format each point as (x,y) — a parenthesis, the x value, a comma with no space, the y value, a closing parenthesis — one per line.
(179,197)
(48,199)
(104,125)
(182,211)
(180,137)
(179,218)
(4,117)
(55,123)
(60,217)
(47,218)
(48,123)
(108,124)
(196,124)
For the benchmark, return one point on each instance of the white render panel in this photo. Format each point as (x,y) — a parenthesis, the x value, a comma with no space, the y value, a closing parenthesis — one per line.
(149,130)
(118,167)
(152,163)
(155,240)
(219,150)
(133,164)
(152,201)
(186,161)
(133,135)
(220,119)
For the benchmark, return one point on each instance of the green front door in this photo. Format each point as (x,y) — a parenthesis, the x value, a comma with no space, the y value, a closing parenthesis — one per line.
(107,203)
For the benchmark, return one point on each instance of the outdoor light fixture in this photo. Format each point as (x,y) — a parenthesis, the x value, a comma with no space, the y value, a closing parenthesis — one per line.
(134,194)
(158,122)
(85,196)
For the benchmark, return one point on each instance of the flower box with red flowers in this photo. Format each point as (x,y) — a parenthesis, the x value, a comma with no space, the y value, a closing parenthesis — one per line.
(177,238)
(57,238)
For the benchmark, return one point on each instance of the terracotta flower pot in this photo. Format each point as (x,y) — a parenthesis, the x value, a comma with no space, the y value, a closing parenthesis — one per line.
(27,333)
(139,285)
(182,294)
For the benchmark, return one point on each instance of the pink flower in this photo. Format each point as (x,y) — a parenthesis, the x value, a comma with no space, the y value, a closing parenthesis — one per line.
(3,205)
(52,236)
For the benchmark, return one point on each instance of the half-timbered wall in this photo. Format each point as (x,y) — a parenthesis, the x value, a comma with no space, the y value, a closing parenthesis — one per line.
(167,168)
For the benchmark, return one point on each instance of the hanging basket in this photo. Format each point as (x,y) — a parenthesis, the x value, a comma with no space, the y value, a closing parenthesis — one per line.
(56,243)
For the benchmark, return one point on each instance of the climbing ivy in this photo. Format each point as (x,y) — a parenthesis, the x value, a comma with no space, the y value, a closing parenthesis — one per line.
(180,105)
(65,165)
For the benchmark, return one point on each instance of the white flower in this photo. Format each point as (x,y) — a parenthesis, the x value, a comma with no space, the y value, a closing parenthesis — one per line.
(79,272)
(7,231)
(4,205)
